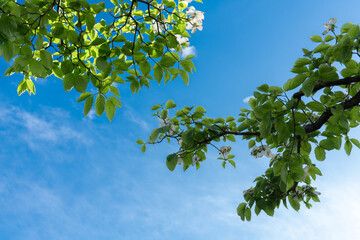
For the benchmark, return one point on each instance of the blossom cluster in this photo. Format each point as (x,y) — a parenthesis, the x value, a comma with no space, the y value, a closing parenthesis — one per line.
(158,26)
(195,19)
(263,150)
(330,25)
(195,159)
(225,151)
(310,190)
(164,123)
(249,191)
(306,172)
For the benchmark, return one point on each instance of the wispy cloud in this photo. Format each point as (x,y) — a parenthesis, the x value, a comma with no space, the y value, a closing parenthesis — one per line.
(91,115)
(186,51)
(133,117)
(53,126)
(246,100)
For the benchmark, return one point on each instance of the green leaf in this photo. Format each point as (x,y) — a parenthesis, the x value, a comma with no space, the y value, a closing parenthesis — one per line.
(100,104)
(88,105)
(158,73)
(170,104)
(257,210)
(139,141)
(101,63)
(39,42)
(90,21)
(26,85)
(80,84)
(110,110)
(98,41)
(185,77)
(30,86)
(241,210)
(321,47)
(328,38)
(346,27)
(263,88)
(294,82)
(308,86)
(315,106)
(265,127)
(69,81)
(187,65)
(72,36)
(200,109)
(355,142)
(345,53)
(232,162)
(299,70)
(57,30)
(327,144)
(251,143)
(143,148)
(294,203)
(231,138)
(248,214)
(84,96)
(37,69)
(155,107)
(114,91)
(15,8)
(302,62)
(320,153)
(115,101)
(269,211)
(171,161)
(67,67)
(46,59)
(348,147)
(316,38)
(167,61)
(145,67)
(119,38)
(230,119)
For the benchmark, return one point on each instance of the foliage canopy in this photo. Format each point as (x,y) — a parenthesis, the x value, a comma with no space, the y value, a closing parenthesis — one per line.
(95,50)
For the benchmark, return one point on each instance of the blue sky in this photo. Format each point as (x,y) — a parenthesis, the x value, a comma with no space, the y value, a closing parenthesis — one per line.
(64,176)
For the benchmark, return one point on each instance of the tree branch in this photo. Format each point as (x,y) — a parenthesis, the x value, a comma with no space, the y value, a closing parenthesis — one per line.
(344,81)
(354,101)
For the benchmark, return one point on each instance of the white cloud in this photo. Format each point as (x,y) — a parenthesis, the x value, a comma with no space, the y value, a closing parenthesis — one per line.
(246,100)
(132,116)
(52,126)
(191,50)
(91,115)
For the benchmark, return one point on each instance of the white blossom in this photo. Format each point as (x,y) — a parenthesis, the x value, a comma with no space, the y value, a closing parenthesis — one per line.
(306,172)
(249,191)
(316,192)
(263,150)
(225,150)
(180,161)
(158,26)
(182,40)
(330,25)
(314,115)
(295,195)
(267,152)
(195,19)
(163,123)
(195,159)
(180,142)
(186,1)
